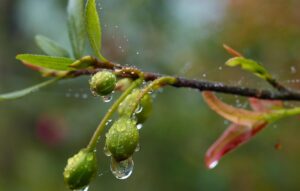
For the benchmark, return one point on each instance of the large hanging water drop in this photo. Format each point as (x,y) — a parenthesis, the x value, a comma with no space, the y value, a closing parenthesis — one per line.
(139,126)
(123,169)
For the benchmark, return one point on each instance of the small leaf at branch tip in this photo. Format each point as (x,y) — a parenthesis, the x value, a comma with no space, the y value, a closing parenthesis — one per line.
(93,27)
(76,26)
(250,66)
(50,47)
(43,61)
(232,51)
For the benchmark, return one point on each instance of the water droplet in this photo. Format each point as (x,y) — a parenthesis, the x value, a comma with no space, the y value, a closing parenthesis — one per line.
(204,75)
(108,122)
(76,95)
(137,53)
(68,95)
(138,148)
(213,164)
(139,126)
(220,68)
(122,170)
(107,99)
(83,189)
(106,151)
(84,96)
(293,70)
(139,109)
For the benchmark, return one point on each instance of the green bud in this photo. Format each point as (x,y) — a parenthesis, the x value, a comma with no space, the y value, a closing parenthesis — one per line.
(122,138)
(81,168)
(123,84)
(126,107)
(103,83)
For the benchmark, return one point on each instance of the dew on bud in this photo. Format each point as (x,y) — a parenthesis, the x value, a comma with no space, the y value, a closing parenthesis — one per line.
(122,138)
(123,169)
(107,98)
(103,83)
(139,109)
(139,126)
(106,151)
(80,169)
(138,148)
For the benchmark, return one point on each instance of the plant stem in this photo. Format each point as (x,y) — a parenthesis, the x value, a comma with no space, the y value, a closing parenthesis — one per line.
(93,142)
(281,113)
(156,84)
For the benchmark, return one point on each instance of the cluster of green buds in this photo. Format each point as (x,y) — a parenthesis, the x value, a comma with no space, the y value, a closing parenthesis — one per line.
(122,139)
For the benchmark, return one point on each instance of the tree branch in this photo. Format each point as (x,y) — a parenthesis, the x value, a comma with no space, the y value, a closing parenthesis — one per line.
(201,85)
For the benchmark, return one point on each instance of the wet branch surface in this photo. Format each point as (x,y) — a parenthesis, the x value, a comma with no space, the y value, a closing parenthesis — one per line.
(201,85)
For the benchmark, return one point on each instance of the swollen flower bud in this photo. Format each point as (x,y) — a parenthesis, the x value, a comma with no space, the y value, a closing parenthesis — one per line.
(122,138)
(81,168)
(123,84)
(144,109)
(103,83)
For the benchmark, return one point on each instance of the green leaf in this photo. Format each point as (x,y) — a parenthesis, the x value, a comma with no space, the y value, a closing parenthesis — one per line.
(83,63)
(50,62)
(251,66)
(76,26)
(26,91)
(93,28)
(50,47)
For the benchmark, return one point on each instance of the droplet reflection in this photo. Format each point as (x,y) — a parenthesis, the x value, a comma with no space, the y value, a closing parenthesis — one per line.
(213,164)
(123,169)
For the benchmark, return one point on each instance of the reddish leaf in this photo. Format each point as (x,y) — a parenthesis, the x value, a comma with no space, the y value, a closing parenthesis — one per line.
(233,136)
(265,105)
(232,51)
(245,124)
(233,114)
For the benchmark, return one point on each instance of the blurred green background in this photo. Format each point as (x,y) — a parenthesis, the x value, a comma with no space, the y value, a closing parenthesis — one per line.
(39,132)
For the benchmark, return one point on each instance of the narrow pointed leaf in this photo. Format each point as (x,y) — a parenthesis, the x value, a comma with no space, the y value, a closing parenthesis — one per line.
(50,47)
(49,62)
(76,26)
(93,27)
(234,136)
(235,115)
(250,66)
(232,51)
(26,91)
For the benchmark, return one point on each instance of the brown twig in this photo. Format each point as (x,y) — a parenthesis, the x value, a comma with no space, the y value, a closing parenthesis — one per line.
(201,85)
